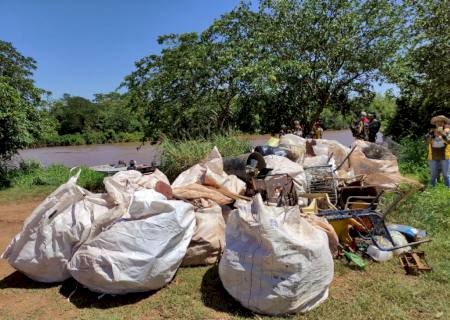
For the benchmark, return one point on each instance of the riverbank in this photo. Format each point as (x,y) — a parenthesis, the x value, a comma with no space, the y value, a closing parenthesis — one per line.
(97,154)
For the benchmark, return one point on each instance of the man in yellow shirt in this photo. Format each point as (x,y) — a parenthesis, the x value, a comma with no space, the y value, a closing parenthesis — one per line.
(438,141)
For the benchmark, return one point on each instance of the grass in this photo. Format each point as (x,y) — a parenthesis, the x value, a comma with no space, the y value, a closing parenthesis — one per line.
(381,291)
(177,156)
(31,180)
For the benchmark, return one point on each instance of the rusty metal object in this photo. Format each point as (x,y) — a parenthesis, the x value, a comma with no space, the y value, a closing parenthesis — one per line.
(414,262)
(278,189)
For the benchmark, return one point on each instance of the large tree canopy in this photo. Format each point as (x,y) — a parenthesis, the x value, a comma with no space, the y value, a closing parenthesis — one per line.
(20,119)
(288,60)
(422,73)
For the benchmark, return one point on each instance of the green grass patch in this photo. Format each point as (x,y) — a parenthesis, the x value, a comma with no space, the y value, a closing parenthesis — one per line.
(177,156)
(31,180)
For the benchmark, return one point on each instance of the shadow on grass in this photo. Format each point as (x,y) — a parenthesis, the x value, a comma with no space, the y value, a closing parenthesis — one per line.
(18,280)
(84,298)
(216,297)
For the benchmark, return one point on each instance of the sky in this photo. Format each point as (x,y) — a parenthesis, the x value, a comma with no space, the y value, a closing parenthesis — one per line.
(83,47)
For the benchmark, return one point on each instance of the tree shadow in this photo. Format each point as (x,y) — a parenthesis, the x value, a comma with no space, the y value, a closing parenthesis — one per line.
(18,280)
(84,298)
(216,297)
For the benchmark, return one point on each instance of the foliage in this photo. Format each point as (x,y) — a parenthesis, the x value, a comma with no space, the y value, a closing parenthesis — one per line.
(76,121)
(420,72)
(384,106)
(256,70)
(412,159)
(177,156)
(331,120)
(20,119)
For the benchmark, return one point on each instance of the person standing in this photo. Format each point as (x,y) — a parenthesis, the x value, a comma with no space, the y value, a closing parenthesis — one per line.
(297,129)
(318,131)
(359,128)
(438,141)
(373,127)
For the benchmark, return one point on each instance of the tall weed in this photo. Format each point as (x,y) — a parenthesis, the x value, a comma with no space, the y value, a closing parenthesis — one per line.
(177,156)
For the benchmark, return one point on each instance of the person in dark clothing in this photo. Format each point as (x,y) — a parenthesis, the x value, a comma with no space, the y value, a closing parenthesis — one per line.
(373,127)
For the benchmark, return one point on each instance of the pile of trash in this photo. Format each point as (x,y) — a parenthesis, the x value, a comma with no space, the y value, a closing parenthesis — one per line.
(272,219)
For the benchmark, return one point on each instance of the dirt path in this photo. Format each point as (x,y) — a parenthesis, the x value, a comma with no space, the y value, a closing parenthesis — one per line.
(12,216)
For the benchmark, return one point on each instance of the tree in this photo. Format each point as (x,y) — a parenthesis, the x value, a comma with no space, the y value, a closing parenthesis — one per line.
(421,73)
(289,60)
(20,119)
(76,115)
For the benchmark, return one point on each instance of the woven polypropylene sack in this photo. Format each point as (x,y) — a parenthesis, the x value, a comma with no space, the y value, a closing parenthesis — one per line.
(55,229)
(209,237)
(275,262)
(136,255)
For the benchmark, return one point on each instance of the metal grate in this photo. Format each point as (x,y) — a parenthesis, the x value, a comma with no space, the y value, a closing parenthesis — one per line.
(322,179)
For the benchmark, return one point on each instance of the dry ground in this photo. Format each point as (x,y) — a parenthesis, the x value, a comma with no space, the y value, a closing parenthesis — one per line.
(382,291)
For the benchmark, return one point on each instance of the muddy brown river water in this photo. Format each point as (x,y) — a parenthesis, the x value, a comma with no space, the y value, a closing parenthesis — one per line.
(91,155)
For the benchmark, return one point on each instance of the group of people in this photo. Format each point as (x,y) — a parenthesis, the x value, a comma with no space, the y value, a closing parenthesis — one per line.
(299,130)
(367,127)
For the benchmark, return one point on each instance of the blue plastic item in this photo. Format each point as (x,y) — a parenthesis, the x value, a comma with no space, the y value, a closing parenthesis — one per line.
(409,232)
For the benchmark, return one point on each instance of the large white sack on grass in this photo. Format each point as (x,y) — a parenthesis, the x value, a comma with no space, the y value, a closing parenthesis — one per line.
(136,255)
(275,262)
(55,229)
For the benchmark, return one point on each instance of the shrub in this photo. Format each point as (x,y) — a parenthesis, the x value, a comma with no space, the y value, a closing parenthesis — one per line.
(177,156)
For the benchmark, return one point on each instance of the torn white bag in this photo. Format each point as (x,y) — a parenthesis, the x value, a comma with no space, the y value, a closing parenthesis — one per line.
(275,262)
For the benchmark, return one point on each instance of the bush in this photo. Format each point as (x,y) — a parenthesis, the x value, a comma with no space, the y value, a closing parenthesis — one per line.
(332,120)
(177,156)
(412,159)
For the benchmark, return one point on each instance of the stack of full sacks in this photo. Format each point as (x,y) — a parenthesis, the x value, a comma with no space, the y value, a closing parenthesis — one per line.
(275,262)
(207,185)
(128,239)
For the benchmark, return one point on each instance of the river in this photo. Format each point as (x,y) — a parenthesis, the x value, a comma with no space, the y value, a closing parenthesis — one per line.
(91,155)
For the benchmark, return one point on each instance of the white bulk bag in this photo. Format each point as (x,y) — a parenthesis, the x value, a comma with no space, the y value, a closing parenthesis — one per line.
(275,262)
(136,255)
(54,230)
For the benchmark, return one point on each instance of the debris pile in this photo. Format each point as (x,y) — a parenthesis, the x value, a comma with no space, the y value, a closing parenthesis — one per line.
(273,219)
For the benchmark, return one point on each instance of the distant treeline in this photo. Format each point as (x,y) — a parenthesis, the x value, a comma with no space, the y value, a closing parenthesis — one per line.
(76,120)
